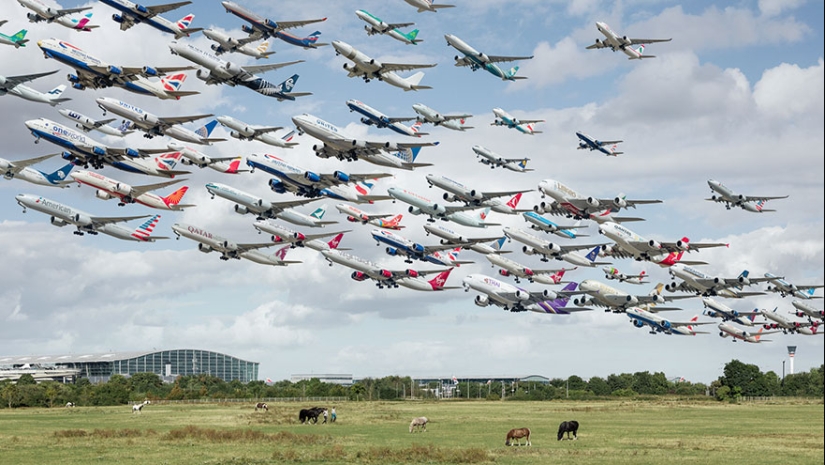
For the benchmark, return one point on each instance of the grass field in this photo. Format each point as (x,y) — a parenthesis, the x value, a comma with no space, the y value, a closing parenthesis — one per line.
(615,432)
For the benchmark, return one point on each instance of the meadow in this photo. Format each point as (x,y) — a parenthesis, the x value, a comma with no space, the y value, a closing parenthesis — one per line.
(472,432)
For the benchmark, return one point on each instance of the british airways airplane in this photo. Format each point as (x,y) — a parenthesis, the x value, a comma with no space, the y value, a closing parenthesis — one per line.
(132,13)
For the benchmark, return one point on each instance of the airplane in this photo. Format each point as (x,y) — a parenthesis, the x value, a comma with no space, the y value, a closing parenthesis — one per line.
(368,68)
(784,288)
(591,143)
(81,149)
(541,223)
(805,310)
(786,325)
(536,246)
(516,299)
(419,283)
(132,13)
(86,124)
(338,185)
(494,160)
(283,235)
(427,5)
(723,194)
(216,71)
(716,309)
(162,165)
(399,245)
(243,131)
(376,26)
(612,299)
(248,203)
(508,267)
(62,215)
(13,85)
(154,125)
(612,273)
(380,120)
(226,43)
(20,169)
(55,13)
(356,215)
(458,192)
(421,205)
(108,188)
(383,277)
(477,60)
(264,28)
(208,242)
(640,317)
(428,115)
(570,203)
(95,73)
(190,156)
(335,143)
(448,236)
(614,42)
(700,283)
(628,244)
(18,39)
(735,333)
(506,119)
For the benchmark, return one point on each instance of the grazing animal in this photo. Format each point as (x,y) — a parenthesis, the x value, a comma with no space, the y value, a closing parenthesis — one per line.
(515,435)
(261,405)
(568,427)
(138,407)
(310,414)
(420,422)
(69,404)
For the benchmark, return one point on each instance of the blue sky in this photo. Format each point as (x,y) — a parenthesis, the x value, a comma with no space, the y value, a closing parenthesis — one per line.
(736,96)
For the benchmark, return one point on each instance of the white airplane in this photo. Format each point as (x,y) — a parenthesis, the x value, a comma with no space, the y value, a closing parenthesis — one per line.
(154,125)
(226,43)
(612,299)
(283,235)
(612,273)
(428,115)
(53,12)
(422,205)
(427,5)
(376,26)
(700,283)
(356,215)
(132,13)
(784,288)
(508,267)
(62,215)
(570,203)
(166,88)
(13,85)
(494,160)
(216,70)
(108,188)
(260,27)
(16,40)
(248,203)
(338,185)
(208,242)
(229,165)
(641,318)
(523,126)
(516,299)
(20,169)
(477,60)
(540,223)
(628,244)
(592,144)
(162,165)
(805,310)
(751,203)
(383,277)
(243,131)
(86,124)
(401,246)
(536,246)
(786,325)
(726,330)
(368,68)
(95,73)
(614,42)
(448,236)
(458,192)
(335,143)
(716,309)
(380,120)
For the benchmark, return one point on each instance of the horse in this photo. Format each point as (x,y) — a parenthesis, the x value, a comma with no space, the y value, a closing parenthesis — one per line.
(261,405)
(310,414)
(69,404)
(517,434)
(138,407)
(568,427)
(420,422)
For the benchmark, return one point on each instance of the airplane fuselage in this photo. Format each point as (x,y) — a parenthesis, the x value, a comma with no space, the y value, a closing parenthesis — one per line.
(543,224)
(148,122)
(380,120)
(132,10)
(26,92)
(111,188)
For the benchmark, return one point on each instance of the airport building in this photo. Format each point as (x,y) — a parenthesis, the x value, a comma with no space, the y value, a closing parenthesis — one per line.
(168,364)
(342,379)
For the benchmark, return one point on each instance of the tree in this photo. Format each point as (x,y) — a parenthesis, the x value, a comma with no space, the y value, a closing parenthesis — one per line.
(748,378)
(26,379)
(598,386)
(575,383)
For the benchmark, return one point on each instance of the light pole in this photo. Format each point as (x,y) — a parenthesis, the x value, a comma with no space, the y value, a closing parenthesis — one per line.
(783,373)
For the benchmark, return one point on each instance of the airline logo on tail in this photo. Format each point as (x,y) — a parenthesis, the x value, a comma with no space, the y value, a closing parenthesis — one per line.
(513,203)
(144,231)
(333,244)
(175,197)
(557,276)
(440,279)
(313,37)
(173,83)
(392,223)
(594,254)
(760,205)
(81,24)
(482,215)
(186,21)
(319,212)
(497,245)
(206,130)
(263,47)
(416,127)
(287,85)
(281,253)
(453,256)
(168,161)
(288,137)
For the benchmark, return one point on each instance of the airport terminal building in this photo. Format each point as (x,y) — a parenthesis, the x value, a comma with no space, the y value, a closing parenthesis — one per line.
(168,364)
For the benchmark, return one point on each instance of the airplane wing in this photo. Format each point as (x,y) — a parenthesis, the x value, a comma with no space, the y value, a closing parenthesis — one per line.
(247,247)
(68,11)
(690,323)
(140,190)
(503,59)
(507,193)
(98,221)
(392,26)
(401,120)
(281,206)
(12,81)
(387,67)
(609,202)
(572,247)
(647,41)
(159,9)
(281,25)
(755,198)
(255,69)
(597,45)
(17,166)
(428,249)
(173,120)
(330,180)
(141,71)
(397,145)
(259,131)
(610,142)
(530,121)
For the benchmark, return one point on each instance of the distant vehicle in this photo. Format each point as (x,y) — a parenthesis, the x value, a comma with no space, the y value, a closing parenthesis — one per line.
(428,115)
(494,160)
(132,13)
(13,85)
(805,310)
(57,14)
(86,124)
(628,244)
(427,5)
(751,203)
(369,68)
(516,299)
(376,26)
(614,42)
(786,325)
(419,205)
(477,60)
(537,246)
(412,250)
(244,131)
(508,267)
(356,215)
(716,309)
(448,236)
(208,242)
(641,318)
(613,273)
(785,288)
(17,40)
(541,223)
(700,283)
(458,192)
(249,203)
(21,169)
(225,43)
(591,143)
(154,125)
(617,301)
(572,204)
(507,120)
(260,27)
(108,188)
(190,156)
(735,333)
(162,165)
(373,117)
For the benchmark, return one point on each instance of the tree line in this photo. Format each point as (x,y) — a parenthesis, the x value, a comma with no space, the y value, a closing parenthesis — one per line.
(738,380)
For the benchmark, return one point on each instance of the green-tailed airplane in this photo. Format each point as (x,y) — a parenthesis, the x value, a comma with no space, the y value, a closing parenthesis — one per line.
(376,26)
(17,40)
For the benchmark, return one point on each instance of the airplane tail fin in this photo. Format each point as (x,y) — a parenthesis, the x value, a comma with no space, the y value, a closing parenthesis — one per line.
(168,161)
(657,290)
(411,36)
(613,150)
(513,202)
(523,163)
(206,130)
(54,95)
(416,127)
(59,176)
(758,335)
(641,53)
(173,82)
(414,81)
(511,74)
(262,49)
(82,24)
(482,215)
(125,128)
(319,212)
(19,38)
(234,166)
(186,21)
(333,244)
(593,255)
(440,279)
(286,86)
(175,197)
(392,223)
(752,316)
(498,244)
(144,231)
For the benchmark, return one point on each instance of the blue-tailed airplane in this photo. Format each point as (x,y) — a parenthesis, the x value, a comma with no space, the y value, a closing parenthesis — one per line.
(14,85)
(524,126)
(592,143)
(20,169)
(640,318)
(785,288)
(716,309)
(17,40)
(541,223)
(380,120)
(477,60)
(399,245)
(376,26)
(132,13)
(260,27)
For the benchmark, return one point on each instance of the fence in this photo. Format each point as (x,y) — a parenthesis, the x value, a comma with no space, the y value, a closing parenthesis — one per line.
(260,399)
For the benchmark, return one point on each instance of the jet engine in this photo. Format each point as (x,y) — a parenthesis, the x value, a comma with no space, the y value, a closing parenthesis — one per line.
(522,295)
(82,220)
(233,68)
(619,202)
(482,300)
(277,186)
(654,244)
(241,209)
(114,70)
(203,74)
(58,222)
(391,146)
(744,281)
(391,251)
(638,323)
(503,272)
(476,195)
(312,177)
(341,176)
(483,57)
(414,210)
(593,202)
(438,209)
(376,63)
(149,71)
(528,250)
(359,276)
(248,29)
(359,144)
(449,197)
(102,195)
(412,273)
(204,248)
(418,248)
(385,273)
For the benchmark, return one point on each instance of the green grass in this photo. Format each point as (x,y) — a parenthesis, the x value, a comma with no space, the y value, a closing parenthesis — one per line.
(616,432)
